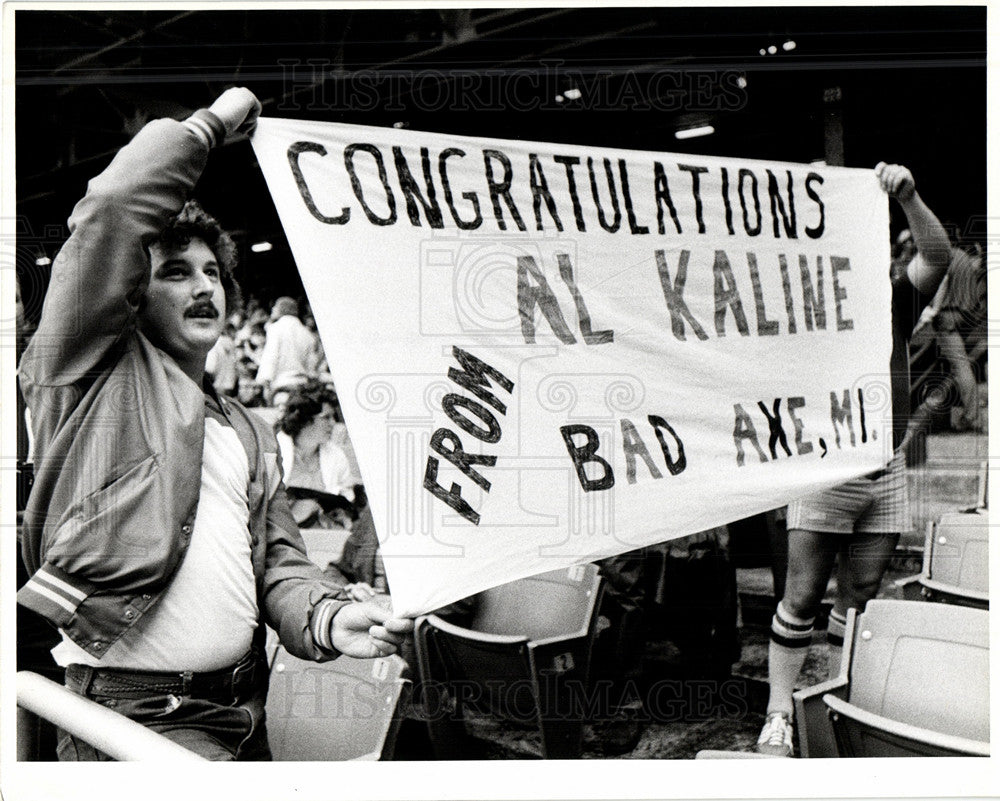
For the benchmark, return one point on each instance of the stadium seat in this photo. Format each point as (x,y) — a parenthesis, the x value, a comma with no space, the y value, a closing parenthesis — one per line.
(812,719)
(914,681)
(324,545)
(346,709)
(956,559)
(862,734)
(525,657)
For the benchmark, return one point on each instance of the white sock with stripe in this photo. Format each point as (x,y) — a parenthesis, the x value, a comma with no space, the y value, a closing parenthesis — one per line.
(790,639)
(835,629)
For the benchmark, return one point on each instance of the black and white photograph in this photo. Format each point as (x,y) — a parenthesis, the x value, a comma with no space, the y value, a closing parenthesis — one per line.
(532,389)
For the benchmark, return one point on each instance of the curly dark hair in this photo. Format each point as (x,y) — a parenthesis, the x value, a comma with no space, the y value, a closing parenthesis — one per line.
(303,405)
(193,222)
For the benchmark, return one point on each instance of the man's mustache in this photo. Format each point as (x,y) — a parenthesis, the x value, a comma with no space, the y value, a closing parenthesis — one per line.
(202,309)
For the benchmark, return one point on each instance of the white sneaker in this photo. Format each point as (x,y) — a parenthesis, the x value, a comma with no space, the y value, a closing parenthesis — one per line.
(776,736)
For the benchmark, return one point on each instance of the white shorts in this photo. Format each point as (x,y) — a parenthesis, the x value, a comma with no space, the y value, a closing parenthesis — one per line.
(875,504)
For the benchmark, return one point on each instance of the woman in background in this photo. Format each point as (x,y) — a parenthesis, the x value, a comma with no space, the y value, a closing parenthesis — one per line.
(318,475)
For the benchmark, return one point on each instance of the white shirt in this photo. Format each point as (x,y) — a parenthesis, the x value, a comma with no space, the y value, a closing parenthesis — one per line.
(334,467)
(206,618)
(221,364)
(290,350)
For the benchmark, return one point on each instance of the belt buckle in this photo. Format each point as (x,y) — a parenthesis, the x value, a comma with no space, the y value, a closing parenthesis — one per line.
(243,669)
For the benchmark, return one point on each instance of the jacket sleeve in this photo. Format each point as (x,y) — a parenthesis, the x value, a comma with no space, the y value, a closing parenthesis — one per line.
(295,589)
(100,274)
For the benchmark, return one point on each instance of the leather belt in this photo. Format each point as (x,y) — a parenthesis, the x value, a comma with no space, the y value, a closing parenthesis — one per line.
(227,684)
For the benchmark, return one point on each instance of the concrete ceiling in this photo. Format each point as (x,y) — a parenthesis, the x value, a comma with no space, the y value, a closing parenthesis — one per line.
(910,86)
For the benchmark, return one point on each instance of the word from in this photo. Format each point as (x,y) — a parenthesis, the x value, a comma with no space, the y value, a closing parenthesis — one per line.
(474,419)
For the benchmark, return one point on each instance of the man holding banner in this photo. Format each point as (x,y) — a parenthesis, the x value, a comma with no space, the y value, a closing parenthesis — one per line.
(581,351)
(158,534)
(857,523)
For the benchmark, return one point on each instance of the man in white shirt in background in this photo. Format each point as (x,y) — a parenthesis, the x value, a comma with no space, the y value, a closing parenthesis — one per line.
(291,351)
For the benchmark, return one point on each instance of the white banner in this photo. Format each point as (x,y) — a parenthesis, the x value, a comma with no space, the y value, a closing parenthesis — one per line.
(547,354)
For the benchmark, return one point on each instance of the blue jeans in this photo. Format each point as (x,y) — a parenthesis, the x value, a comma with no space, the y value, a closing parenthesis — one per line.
(215,730)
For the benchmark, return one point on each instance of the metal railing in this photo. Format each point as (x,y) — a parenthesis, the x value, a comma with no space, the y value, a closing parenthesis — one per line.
(121,739)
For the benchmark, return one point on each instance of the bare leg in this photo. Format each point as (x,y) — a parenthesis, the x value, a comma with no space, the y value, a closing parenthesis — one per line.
(864,558)
(863,561)
(810,562)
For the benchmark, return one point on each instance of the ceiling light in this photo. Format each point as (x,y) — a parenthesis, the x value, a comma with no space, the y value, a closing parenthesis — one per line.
(260,247)
(691,133)
(572,94)
(789,45)
(43,261)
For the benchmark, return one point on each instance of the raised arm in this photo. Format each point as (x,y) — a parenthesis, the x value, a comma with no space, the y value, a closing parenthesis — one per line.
(100,274)
(934,250)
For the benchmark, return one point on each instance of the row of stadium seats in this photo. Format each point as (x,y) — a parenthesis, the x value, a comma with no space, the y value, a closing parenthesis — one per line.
(913,677)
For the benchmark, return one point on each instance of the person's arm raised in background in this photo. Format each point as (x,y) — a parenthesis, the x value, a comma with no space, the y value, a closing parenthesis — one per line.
(929,267)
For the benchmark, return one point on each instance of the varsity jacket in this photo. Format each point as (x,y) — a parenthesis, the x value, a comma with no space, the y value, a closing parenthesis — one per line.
(119,428)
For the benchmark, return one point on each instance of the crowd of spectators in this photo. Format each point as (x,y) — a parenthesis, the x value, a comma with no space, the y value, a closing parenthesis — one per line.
(263,354)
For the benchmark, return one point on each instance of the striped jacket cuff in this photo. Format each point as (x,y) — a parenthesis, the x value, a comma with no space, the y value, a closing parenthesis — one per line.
(54,594)
(208,126)
(322,617)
